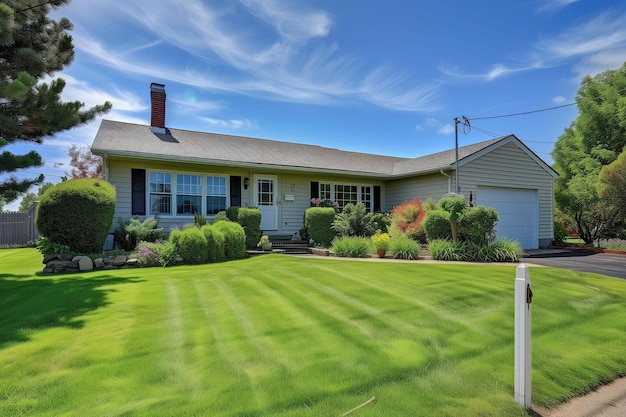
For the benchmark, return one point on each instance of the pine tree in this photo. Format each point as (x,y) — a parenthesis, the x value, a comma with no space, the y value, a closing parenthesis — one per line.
(32,46)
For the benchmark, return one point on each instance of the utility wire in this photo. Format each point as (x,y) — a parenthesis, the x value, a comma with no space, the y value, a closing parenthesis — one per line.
(535,111)
(523,113)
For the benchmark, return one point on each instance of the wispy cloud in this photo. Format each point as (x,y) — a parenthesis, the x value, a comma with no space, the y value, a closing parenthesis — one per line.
(552,6)
(592,46)
(295,59)
(446,129)
(228,124)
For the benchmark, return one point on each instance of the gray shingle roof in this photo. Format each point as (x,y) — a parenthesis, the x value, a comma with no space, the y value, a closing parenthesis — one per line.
(138,141)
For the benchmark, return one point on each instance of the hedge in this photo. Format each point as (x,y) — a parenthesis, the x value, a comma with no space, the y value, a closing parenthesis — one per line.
(77,213)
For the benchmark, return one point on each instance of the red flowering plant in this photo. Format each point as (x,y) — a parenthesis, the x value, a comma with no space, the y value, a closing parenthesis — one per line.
(408,219)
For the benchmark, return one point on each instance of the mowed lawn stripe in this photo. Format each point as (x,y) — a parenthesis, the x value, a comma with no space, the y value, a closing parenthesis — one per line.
(285,336)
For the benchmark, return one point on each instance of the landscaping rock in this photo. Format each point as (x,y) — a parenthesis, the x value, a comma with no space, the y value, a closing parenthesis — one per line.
(120,260)
(49,258)
(85,263)
(98,263)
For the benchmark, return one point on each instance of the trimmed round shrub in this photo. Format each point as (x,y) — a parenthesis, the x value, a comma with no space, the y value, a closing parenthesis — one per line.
(215,243)
(352,247)
(77,213)
(250,220)
(234,239)
(191,245)
(437,225)
(232,213)
(318,223)
(478,224)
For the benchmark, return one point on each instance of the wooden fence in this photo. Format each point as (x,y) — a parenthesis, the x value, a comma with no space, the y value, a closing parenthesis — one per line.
(18,228)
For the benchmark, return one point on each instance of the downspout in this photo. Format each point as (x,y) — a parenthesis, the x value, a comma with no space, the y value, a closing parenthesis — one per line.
(449,179)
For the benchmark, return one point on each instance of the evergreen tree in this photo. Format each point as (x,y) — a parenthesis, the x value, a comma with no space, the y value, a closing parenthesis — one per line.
(32,46)
(593,140)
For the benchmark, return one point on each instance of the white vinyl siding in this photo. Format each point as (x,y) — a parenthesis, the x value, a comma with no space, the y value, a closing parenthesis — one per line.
(406,189)
(510,167)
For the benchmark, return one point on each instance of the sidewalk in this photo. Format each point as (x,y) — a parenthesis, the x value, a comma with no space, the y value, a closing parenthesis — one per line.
(606,401)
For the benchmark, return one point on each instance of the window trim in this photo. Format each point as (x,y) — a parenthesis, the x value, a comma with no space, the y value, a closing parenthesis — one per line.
(359,191)
(174,188)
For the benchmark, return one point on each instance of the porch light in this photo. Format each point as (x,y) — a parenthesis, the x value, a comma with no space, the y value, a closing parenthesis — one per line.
(246,183)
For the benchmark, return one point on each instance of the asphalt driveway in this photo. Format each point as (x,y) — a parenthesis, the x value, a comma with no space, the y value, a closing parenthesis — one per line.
(599,263)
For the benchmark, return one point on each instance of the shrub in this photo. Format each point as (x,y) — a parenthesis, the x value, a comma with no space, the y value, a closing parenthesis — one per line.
(233,213)
(502,251)
(380,241)
(455,206)
(77,213)
(560,234)
(46,247)
(221,216)
(508,251)
(128,234)
(250,220)
(477,224)
(446,250)
(148,253)
(191,245)
(407,218)
(351,246)
(234,239)
(404,247)
(355,220)
(168,253)
(198,219)
(215,243)
(318,222)
(437,225)
(380,221)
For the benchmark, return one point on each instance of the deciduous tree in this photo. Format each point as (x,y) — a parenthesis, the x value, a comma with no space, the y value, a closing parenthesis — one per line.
(33,46)
(84,163)
(591,142)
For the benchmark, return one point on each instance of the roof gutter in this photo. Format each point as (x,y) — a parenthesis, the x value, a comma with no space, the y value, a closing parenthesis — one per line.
(449,179)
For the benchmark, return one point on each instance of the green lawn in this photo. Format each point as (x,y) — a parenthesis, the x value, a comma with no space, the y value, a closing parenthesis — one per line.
(284,336)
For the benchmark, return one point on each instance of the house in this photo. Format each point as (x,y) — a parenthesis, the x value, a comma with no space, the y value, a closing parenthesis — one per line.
(174,173)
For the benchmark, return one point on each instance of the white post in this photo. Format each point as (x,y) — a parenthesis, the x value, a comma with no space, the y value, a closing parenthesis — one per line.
(523,298)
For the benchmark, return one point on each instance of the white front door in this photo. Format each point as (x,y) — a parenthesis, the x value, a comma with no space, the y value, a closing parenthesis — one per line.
(265,198)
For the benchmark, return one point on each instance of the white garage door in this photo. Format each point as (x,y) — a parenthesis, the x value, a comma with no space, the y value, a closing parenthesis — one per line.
(518,213)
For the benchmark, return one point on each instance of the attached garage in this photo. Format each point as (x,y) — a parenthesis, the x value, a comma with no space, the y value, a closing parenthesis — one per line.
(518,213)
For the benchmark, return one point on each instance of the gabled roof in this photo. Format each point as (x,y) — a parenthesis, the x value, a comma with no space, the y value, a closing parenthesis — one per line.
(139,141)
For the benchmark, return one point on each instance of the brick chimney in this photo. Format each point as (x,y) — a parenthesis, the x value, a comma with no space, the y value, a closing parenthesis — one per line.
(157,101)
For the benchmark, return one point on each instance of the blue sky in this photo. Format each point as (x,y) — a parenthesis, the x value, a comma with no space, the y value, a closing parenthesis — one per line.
(359,75)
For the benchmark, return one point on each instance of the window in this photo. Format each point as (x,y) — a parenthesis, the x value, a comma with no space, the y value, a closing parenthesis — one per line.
(160,193)
(325,193)
(347,193)
(366,197)
(215,195)
(193,193)
(265,192)
(188,194)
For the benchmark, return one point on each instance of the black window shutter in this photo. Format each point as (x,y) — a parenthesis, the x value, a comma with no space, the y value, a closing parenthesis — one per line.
(138,191)
(235,191)
(315,189)
(377,198)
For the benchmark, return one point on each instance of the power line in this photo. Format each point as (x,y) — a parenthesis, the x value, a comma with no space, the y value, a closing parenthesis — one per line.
(522,113)
(539,110)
